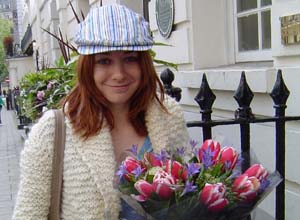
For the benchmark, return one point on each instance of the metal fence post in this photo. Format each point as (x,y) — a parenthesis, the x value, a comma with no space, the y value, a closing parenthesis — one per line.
(205,99)
(280,94)
(243,95)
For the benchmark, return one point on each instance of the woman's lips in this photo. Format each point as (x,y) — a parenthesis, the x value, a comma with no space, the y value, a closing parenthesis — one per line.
(119,88)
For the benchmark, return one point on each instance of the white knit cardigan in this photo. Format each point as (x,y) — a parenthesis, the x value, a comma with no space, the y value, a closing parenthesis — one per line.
(89,166)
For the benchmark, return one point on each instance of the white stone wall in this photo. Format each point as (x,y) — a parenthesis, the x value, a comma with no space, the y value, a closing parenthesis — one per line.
(17,68)
(179,50)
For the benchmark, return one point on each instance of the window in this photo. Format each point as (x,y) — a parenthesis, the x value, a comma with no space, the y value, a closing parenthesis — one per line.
(253,30)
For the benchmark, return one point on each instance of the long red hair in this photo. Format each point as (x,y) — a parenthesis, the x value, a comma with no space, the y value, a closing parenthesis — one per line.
(87,107)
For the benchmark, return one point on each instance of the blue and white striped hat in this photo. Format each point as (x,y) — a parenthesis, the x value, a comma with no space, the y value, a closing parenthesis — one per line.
(113,28)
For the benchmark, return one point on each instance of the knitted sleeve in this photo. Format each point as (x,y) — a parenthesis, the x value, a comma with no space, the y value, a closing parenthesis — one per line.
(33,198)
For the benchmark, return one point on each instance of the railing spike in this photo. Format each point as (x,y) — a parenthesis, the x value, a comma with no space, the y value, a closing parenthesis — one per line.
(243,95)
(280,92)
(205,97)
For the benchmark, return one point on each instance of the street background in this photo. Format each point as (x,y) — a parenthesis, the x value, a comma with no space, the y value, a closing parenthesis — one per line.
(11,144)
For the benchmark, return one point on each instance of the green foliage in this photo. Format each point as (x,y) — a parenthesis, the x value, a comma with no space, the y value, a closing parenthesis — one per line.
(51,84)
(5,30)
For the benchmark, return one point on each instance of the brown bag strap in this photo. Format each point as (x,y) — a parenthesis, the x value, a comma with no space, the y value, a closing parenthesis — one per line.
(57,165)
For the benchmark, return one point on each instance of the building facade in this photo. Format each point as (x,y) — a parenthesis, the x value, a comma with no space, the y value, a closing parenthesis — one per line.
(11,10)
(6,9)
(21,10)
(221,39)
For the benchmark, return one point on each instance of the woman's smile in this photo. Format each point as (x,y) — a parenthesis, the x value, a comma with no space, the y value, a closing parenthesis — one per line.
(119,88)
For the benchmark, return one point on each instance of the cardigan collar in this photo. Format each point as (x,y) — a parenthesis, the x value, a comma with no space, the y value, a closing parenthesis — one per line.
(97,152)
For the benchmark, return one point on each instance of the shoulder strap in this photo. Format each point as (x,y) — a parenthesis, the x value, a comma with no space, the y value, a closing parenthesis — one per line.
(57,165)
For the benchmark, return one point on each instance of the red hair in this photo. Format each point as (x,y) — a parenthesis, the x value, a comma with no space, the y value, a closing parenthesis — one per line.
(87,107)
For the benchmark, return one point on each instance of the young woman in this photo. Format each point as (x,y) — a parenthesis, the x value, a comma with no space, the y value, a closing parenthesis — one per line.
(118,101)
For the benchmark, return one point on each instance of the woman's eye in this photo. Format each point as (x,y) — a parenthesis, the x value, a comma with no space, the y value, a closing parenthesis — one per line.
(103,61)
(131,59)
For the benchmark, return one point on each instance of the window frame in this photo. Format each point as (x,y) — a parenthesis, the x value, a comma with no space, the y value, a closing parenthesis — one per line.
(251,55)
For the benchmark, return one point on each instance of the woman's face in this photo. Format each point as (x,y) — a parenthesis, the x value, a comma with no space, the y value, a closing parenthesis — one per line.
(117,75)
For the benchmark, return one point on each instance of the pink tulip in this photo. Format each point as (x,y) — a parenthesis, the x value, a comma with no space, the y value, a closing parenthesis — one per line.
(246,187)
(152,161)
(162,183)
(258,171)
(213,195)
(211,145)
(228,157)
(176,169)
(144,188)
(130,164)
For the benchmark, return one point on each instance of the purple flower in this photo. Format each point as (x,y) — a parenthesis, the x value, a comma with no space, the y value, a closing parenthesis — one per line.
(227,165)
(137,171)
(180,151)
(189,187)
(162,156)
(239,160)
(193,144)
(49,85)
(40,95)
(192,168)
(208,156)
(264,184)
(235,173)
(133,149)
(122,171)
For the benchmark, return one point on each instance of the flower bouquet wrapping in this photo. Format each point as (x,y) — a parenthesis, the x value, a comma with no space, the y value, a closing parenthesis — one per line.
(206,184)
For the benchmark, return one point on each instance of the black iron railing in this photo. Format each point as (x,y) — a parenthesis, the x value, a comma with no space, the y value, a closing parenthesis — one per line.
(244,117)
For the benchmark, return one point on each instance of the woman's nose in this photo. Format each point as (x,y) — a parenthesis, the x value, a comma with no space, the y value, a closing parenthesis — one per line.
(119,71)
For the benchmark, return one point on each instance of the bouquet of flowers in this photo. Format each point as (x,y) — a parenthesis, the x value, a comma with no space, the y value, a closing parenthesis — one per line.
(208,184)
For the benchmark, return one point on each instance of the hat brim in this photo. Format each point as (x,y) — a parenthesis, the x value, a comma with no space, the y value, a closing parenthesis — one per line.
(89,49)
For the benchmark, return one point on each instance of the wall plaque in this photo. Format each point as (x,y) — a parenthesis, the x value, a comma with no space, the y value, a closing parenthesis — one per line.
(290,29)
(164,10)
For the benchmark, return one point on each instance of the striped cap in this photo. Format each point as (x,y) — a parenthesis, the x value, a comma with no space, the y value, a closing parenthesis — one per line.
(113,28)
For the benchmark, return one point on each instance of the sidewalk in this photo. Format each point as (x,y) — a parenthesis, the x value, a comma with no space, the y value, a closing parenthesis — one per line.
(11,144)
